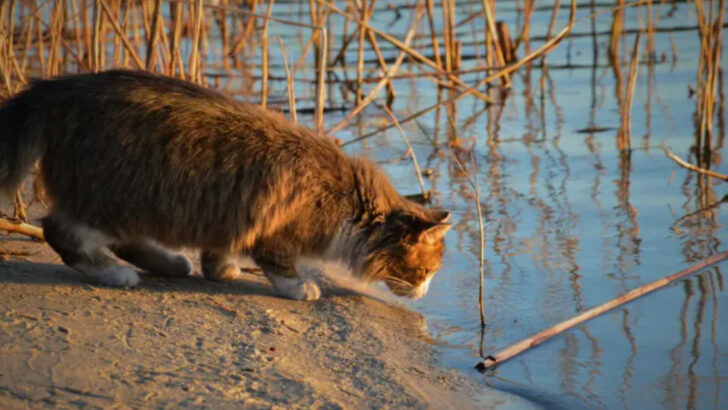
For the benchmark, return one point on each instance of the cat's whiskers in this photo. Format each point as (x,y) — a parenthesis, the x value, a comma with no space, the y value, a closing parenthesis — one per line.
(398,281)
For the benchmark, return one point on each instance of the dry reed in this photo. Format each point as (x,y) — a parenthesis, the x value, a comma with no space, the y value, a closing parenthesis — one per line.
(264,57)
(540,337)
(289,83)
(18,226)
(543,50)
(711,43)
(392,70)
(694,168)
(472,178)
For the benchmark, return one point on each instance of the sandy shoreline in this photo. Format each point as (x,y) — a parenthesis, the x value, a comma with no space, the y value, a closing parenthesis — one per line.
(194,343)
(169,343)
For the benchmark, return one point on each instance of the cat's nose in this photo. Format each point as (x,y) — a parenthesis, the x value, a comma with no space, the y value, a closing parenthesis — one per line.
(414,295)
(420,290)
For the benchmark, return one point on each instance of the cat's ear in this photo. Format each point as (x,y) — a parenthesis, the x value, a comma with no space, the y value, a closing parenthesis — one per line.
(437,215)
(428,228)
(434,233)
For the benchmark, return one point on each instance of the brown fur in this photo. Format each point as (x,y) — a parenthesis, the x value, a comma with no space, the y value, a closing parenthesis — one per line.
(141,157)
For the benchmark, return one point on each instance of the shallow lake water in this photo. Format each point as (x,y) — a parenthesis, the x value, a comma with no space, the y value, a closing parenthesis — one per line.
(570,221)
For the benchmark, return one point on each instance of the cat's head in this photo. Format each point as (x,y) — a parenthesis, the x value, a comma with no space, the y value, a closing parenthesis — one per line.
(406,250)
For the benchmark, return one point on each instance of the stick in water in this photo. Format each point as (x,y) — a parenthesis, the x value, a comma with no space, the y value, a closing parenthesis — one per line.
(538,338)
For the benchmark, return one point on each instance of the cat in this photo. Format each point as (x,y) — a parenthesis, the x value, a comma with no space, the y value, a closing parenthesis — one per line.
(134,162)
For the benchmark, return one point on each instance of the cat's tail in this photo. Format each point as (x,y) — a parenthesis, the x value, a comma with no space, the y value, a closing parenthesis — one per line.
(21,140)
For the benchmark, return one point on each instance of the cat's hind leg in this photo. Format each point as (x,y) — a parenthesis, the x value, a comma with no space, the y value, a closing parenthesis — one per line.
(219,266)
(85,249)
(153,258)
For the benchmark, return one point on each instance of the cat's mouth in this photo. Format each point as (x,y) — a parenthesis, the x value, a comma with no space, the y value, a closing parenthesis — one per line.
(407,290)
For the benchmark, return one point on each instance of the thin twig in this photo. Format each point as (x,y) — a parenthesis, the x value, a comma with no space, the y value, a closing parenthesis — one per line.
(538,338)
(425,194)
(692,167)
(473,181)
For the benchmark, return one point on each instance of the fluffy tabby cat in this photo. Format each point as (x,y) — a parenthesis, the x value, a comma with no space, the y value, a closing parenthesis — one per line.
(133,162)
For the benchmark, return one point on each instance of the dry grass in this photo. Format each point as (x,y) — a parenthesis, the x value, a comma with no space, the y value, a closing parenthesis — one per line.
(710,24)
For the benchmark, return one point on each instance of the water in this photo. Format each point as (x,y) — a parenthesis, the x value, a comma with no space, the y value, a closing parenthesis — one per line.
(569,221)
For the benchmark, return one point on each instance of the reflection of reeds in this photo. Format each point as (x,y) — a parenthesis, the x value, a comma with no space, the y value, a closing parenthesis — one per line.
(624,136)
(617,29)
(545,48)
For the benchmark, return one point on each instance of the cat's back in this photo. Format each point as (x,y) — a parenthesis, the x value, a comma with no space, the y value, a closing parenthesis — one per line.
(147,111)
(175,152)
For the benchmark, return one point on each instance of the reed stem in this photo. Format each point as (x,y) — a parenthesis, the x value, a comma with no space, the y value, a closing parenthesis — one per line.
(540,337)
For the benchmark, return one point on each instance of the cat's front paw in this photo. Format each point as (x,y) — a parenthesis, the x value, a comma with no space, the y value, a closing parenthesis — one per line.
(296,288)
(119,276)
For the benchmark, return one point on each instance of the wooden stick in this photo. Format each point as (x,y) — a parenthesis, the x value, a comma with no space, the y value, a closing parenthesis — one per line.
(538,338)
(692,167)
(16,226)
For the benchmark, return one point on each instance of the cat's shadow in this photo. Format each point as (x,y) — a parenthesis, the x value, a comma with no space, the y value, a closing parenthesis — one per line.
(46,274)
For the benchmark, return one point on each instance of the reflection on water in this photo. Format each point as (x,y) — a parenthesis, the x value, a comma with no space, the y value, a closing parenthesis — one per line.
(571,220)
